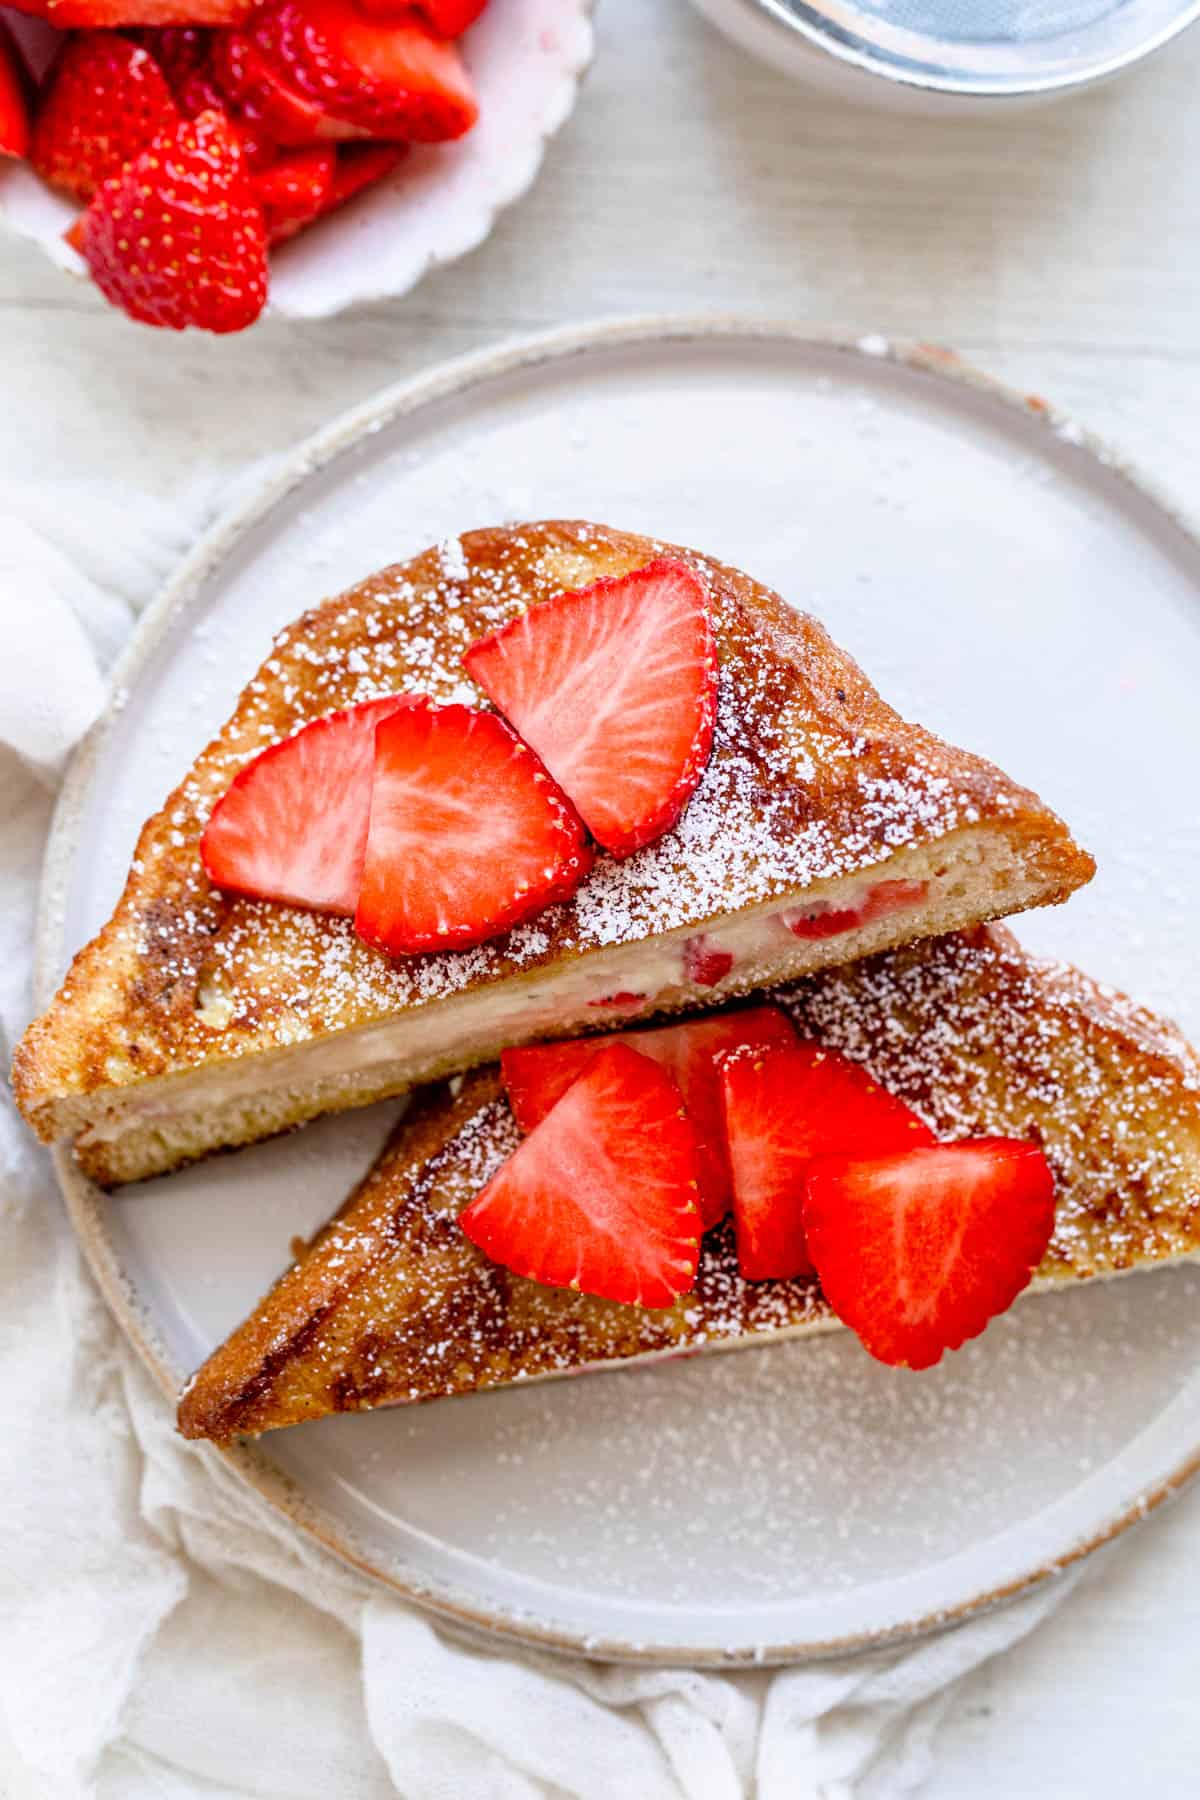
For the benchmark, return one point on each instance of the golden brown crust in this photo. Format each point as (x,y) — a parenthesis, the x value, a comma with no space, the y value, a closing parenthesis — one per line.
(812,775)
(392,1303)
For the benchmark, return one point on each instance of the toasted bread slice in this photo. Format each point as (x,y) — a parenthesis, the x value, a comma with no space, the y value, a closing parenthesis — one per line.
(392,1302)
(196,1021)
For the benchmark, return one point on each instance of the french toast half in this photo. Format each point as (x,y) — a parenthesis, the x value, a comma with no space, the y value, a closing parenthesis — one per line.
(392,1303)
(196,1020)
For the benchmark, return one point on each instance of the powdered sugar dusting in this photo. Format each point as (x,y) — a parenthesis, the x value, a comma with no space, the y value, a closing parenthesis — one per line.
(733,1482)
(983,1040)
(810,778)
(980,1038)
(454,560)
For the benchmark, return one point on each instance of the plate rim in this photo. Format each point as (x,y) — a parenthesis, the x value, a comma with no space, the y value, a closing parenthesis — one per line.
(85,1203)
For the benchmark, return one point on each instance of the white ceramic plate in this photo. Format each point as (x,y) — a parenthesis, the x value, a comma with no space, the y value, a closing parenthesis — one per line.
(1006,585)
(526,58)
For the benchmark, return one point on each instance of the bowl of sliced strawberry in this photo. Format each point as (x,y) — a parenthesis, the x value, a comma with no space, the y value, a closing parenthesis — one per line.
(201,159)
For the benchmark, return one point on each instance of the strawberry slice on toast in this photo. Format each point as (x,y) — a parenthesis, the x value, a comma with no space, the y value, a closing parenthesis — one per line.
(468,834)
(538,1076)
(293,825)
(782,1106)
(615,687)
(601,1197)
(917,1251)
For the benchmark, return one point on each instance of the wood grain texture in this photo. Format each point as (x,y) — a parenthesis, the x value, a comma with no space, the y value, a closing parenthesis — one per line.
(1058,248)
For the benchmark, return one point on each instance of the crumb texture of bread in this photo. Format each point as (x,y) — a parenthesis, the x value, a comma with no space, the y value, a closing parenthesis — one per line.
(813,781)
(391,1303)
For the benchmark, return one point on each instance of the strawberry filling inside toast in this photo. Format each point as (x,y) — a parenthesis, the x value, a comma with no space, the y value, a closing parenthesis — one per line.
(827,921)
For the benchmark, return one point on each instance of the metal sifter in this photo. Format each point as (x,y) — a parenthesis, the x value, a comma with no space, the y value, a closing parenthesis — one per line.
(952,50)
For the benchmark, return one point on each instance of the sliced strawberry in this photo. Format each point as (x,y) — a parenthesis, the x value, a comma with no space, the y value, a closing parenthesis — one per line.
(259,96)
(106,100)
(388,80)
(468,833)
(184,54)
(602,1195)
(615,687)
(782,1106)
(259,150)
(295,189)
(177,238)
(449,18)
(704,964)
(360,166)
(14,97)
(293,826)
(538,1075)
(825,922)
(101,15)
(916,1252)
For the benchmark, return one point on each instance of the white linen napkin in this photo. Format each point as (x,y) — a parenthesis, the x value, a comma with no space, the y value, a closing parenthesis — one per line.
(163,1633)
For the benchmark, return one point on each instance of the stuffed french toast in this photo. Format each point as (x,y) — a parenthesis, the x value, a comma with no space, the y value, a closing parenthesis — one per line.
(541,780)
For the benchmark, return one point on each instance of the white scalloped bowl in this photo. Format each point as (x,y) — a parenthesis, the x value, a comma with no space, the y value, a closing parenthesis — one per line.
(526,58)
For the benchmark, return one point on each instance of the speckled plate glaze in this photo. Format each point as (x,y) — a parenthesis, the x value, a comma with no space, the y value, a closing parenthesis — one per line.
(526,58)
(1004,580)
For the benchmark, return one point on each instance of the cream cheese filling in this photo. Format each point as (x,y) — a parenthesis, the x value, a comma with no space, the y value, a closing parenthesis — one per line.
(594,991)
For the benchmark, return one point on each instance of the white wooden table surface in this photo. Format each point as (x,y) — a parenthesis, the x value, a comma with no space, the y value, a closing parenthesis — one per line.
(1056,248)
